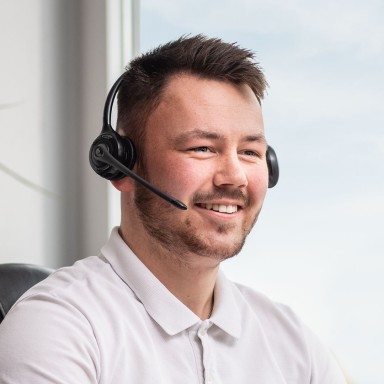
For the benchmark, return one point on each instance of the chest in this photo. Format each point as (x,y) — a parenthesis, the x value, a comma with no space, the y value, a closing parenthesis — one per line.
(201,354)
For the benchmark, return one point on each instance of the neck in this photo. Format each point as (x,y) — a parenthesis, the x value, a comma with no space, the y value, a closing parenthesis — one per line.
(189,277)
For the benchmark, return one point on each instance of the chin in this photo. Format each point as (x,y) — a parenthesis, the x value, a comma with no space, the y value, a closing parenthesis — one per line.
(217,250)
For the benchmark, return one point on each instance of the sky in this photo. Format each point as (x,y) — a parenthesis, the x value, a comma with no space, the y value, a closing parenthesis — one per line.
(319,243)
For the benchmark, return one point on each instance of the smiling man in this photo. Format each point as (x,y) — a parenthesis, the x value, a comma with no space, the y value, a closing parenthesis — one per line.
(154,306)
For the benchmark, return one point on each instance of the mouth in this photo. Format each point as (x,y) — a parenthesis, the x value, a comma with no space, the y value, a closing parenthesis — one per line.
(219,207)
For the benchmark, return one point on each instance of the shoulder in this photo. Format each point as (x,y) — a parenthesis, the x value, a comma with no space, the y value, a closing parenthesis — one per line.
(69,292)
(75,283)
(47,325)
(266,309)
(74,298)
(69,317)
(290,338)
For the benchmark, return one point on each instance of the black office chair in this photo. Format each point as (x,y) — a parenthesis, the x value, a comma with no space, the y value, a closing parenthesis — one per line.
(15,279)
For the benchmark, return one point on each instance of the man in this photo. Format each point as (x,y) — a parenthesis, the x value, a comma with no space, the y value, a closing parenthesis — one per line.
(154,307)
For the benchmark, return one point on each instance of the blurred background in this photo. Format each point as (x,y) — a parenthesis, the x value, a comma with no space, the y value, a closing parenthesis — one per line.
(319,242)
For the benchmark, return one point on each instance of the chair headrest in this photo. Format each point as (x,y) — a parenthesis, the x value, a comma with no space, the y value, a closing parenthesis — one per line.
(15,279)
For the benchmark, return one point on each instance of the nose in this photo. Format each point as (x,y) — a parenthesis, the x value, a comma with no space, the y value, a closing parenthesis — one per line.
(230,172)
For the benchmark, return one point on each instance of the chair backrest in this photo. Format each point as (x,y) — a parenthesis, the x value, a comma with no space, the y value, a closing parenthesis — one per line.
(15,279)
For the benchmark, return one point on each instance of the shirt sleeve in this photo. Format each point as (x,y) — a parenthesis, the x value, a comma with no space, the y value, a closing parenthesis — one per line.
(46,340)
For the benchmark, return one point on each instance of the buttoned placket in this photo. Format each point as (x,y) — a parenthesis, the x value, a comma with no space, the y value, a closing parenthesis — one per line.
(203,335)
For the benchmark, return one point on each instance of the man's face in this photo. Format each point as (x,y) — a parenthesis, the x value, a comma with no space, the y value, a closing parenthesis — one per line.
(205,146)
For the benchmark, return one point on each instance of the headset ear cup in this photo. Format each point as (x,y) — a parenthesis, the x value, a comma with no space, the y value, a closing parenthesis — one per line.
(120,147)
(273,167)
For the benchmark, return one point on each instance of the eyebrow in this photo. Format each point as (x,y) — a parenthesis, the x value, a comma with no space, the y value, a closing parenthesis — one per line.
(199,133)
(259,138)
(196,133)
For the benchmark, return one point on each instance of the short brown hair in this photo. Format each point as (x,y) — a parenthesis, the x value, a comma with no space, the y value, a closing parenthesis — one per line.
(147,75)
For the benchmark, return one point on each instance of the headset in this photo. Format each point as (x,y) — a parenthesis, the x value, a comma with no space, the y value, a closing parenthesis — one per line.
(113,156)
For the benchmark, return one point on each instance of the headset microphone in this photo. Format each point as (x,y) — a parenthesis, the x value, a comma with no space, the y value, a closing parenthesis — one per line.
(113,156)
(102,154)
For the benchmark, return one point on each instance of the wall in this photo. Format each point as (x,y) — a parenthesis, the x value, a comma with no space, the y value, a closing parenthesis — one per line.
(55,71)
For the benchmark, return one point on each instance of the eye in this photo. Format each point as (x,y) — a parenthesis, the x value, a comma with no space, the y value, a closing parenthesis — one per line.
(250,153)
(200,149)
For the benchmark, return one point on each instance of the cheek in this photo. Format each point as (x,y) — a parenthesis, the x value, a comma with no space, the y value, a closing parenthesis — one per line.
(183,177)
(175,174)
(258,183)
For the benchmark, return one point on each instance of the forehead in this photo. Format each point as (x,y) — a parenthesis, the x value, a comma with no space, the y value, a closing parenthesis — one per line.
(190,102)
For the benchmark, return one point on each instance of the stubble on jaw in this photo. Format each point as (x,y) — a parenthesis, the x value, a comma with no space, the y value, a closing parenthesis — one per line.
(183,240)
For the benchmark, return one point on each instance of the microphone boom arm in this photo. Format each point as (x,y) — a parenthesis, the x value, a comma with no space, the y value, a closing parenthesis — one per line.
(103,155)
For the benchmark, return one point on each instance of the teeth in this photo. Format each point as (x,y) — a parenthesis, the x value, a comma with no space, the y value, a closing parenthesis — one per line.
(220,208)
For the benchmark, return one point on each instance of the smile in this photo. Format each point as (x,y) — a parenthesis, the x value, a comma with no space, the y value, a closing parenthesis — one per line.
(220,208)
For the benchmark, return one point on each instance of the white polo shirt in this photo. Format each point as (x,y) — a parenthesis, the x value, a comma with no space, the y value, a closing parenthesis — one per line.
(107,319)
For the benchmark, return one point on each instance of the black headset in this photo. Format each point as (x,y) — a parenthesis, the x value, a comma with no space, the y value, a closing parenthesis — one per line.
(113,156)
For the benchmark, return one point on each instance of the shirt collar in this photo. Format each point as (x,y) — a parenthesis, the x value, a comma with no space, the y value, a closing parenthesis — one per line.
(227,313)
(169,312)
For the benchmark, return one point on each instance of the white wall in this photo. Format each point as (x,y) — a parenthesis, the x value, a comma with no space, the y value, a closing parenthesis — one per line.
(58,59)
(22,179)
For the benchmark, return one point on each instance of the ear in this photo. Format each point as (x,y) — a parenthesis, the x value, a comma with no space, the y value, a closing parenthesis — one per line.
(125,184)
